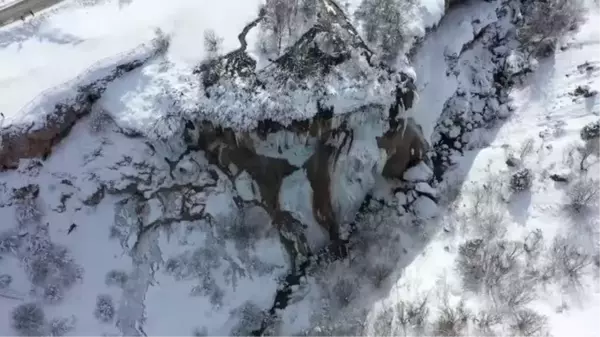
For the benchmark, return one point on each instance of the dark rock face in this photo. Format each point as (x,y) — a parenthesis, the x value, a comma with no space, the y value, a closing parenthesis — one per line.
(330,46)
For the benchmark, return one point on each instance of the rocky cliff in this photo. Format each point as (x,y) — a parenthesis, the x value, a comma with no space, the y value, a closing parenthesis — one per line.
(319,154)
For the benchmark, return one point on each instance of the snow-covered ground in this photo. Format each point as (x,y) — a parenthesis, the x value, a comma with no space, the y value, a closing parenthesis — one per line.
(5,3)
(546,124)
(64,41)
(137,230)
(189,275)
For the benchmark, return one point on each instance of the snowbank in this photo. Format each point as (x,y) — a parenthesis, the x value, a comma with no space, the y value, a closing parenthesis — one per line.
(62,43)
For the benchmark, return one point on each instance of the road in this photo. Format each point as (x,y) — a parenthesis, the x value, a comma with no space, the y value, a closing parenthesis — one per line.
(14,11)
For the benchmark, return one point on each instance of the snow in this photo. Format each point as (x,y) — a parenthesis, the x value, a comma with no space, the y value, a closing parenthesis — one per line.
(431,12)
(87,159)
(435,85)
(356,168)
(296,197)
(543,107)
(247,266)
(419,172)
(6,3)
(74,36)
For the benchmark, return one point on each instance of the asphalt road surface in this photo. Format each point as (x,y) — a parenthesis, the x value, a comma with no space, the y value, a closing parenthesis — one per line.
(14,11)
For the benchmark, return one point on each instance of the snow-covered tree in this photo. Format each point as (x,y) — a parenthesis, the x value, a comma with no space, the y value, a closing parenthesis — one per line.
(547,21)
(384,24)
(28,319)
(105,309)
(283,21)
(5,281)
(521,180)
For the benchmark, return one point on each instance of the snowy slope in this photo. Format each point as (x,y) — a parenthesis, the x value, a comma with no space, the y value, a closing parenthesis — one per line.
(85,183)
(179,246)
(64,41)
(549,119)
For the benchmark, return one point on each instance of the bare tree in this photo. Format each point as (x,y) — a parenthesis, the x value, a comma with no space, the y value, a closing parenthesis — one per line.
(281,18)
(212,43)
(485,320)
(383,323)
(452,321)
(378,273)
(344,291)
(483,265)
(590,148)
(527,322)
(582,194)
(413,315)
(384,24)
(548,21)
(161,41)
(567,260)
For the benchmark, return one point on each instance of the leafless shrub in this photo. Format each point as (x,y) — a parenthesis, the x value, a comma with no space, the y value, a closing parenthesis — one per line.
(567,260)
(378,273)
(250,318)
(413,315)
(344,291)
(514,291)
(452,321)
(212,43)
(491,226)
(105,309)
(484,216)
(527,322)
(116,277)
(590,148)
(489,190)
(161,41)
(548,21)
(485,320)
(582,194)
(568,157)
(534,242)
(383,323)
(482,264)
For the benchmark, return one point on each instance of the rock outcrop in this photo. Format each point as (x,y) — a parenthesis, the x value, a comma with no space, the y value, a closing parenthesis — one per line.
(339,143)
(314,130)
